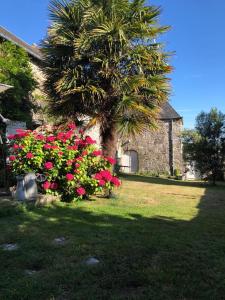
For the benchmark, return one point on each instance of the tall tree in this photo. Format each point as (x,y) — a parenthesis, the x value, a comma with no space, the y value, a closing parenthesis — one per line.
(206,144)
(16,71)
(102,60)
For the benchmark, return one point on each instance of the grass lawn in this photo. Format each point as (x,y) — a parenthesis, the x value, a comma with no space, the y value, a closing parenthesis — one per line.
(161,239)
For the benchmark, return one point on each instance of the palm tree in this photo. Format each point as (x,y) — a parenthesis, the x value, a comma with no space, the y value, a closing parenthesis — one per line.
(101,60)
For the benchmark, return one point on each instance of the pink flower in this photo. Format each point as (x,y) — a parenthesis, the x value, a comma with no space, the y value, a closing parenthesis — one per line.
(29,155)
(22,133)
(12,157)
(79,158)
(47,146)
(84,153)
(115,181)
(68,135)
(77,171)
(69,162)
(111,160)
(71,126)
(77,165)
(60,136)
(54,186)
(46,185)
(81,131)
(72,147)
(98,176)
(48,165)
(11,136)
(69,177)
(50,138)
(97,152)
(101,182)
(55,147)
(81,191)
(89,140)
(15,146)
(60,153)
(40,137)
(106,174)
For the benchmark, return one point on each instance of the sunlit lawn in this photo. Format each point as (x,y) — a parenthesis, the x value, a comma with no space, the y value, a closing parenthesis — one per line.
(160,239)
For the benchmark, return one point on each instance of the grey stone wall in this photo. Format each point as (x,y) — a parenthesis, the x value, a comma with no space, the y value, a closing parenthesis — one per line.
(159,151)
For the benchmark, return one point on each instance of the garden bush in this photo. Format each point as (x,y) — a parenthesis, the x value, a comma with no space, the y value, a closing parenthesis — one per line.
(70,162)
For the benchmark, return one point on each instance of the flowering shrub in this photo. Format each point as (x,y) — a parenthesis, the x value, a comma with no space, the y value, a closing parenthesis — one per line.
(71,164)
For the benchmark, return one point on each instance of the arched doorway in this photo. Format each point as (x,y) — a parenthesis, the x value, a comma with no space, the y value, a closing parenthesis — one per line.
(130,161)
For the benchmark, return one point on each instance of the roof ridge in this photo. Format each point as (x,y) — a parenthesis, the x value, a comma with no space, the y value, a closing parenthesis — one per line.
(5,33)
(168,112)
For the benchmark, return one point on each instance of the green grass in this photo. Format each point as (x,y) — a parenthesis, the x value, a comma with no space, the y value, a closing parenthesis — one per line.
(161,239)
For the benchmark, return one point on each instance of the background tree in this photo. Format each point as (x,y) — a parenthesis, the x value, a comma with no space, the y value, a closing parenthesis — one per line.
(16,71)
(206,144)
(101,60)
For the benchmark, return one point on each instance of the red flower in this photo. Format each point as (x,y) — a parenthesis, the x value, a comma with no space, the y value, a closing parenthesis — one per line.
(71,126)
(101,182)
(106,174)
(48,165)
(54,186)
(12,157)
(40,137)
(97,152)
(69,177)
(60,153)
(111,160)
(79,158)
(84,153)
(68,135)
(98,176)
(50,138)
(29,155)
(47,146)
(77,171)
(77,165)
(55,147)
(46,185)
(72,147)
(11,136)
(15,146)
(69,162)
(116,181)
(81,191)
(89,140)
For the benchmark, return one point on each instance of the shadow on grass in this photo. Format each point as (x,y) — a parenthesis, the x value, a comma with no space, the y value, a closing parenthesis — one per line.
(140,257)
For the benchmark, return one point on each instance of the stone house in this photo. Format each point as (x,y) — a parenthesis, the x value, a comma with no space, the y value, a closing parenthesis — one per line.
(158,151)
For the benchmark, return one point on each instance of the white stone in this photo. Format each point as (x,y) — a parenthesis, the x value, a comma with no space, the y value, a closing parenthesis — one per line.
(9,247)
(30,272)
(92,261)
(60,240)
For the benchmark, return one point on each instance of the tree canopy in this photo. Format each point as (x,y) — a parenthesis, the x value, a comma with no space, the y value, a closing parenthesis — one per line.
(102,60)
(16,71)
(205,145)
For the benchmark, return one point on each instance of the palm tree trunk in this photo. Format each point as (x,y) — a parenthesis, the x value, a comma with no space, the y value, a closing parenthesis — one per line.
(109,139)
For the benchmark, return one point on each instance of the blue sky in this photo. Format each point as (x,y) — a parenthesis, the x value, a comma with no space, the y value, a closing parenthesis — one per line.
(197,36)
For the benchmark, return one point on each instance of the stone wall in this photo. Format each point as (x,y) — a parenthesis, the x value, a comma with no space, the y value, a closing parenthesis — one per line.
(159,151)
(38,98)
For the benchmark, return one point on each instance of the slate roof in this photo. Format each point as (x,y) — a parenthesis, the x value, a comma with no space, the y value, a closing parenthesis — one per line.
(168,113)
(33,51)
